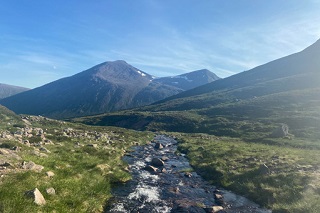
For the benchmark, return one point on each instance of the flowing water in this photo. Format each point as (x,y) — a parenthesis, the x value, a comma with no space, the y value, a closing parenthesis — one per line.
(173,187)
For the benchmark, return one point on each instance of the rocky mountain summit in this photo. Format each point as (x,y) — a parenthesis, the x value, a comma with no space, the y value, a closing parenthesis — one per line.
(189,80)
(107,87)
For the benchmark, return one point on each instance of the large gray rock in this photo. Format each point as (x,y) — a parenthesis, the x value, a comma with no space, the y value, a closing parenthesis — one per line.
(281,131)
(150,168)
(158,146)
(36,195)
(32,166)
(264,169)
(157,162)
(50,174)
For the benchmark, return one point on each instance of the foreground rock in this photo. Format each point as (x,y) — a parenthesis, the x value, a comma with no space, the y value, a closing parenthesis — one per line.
(32,166)
(281,131)
(157,162)
(51,191)
(37,197)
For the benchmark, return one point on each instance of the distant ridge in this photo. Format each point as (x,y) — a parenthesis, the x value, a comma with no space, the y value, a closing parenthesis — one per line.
(189,80)
(106,87)
(9,90)
(283,91)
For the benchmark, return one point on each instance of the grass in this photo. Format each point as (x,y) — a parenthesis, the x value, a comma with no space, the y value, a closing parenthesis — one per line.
(84,175)
(292,185)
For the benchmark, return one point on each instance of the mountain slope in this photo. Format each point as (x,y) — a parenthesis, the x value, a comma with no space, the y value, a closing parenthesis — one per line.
(189,80)
(107,87)
(255,101)
(9,90)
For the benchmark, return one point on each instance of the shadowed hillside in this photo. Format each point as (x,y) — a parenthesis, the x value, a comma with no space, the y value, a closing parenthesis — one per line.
(249,103)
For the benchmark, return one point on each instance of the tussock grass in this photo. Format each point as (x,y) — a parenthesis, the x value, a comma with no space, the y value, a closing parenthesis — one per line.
(84,175)
(292,184)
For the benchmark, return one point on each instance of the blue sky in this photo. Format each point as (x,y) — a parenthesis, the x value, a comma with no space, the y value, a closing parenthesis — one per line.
(44,40)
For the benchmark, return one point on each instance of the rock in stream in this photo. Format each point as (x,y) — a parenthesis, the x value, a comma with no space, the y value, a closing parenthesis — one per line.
(171,187)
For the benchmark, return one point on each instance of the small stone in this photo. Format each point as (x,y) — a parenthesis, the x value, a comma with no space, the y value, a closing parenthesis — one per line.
(6,164)
(150,168)
(218,196)
(164,158)
(263,169)
(213,209)
(93,145)
(50,174)
(188,174)
(36,195)
(43,149)
(176,189)
(4,152)
(16,148)
(158,146)
(26,142)
(51,191)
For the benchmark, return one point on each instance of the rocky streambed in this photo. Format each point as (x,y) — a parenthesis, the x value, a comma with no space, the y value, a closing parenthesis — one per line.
(164,182)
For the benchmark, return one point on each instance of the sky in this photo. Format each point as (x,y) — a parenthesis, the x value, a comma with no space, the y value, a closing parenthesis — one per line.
(44,40)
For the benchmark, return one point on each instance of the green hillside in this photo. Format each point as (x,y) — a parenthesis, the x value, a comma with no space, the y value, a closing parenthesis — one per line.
(268,116)
(81,163)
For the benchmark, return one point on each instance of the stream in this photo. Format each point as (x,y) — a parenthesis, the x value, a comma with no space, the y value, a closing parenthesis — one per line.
(172,187)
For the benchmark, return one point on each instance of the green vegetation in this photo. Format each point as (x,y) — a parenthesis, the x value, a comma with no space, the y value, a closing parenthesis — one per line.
(239,123)
(250,118)
(84,173)
(290,184)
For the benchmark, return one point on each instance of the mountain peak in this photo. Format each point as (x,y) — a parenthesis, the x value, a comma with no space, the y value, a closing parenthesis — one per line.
(189,80)
(118,70)
(313,48)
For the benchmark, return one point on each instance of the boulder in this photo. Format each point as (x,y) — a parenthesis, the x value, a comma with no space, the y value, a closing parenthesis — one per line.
(32,166)
(263,169)
(281,131)
(158,146)
(188,174)
(157,162)
(150,168)
(50,174)
(36,195)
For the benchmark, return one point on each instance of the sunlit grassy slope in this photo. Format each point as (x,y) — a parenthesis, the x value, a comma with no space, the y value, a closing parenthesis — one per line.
(290,184)
(84,174)
(240,114)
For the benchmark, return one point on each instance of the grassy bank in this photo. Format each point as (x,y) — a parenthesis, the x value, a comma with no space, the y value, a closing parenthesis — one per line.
(86,162)
(291,183)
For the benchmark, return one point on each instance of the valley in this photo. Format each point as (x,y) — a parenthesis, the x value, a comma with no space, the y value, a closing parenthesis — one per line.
(153,106)
(255,133)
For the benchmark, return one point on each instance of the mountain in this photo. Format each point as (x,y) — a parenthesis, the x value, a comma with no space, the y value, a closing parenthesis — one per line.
(107,87)
(9,90)
(189,80)
(256,101)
